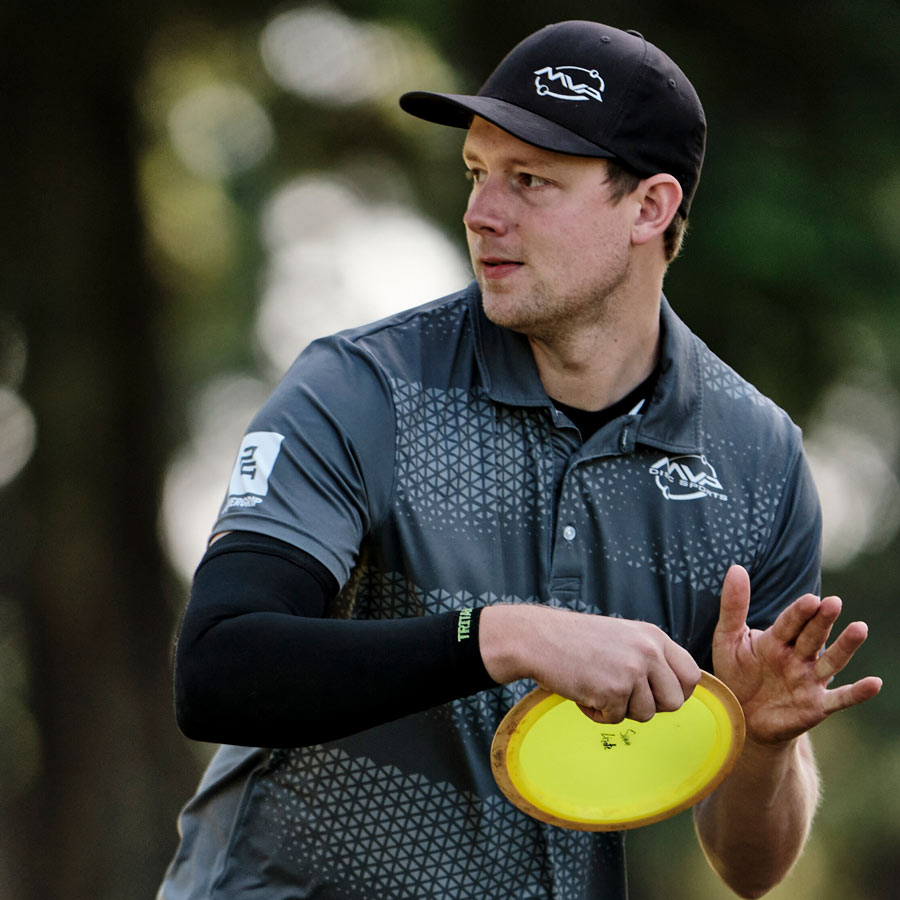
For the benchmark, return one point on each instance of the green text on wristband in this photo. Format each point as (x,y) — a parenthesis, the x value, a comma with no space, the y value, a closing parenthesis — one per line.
(464,624)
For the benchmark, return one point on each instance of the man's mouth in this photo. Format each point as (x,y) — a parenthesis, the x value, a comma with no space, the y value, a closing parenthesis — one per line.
(498,267)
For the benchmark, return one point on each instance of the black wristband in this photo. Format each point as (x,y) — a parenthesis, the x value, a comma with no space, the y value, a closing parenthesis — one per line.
(468,648)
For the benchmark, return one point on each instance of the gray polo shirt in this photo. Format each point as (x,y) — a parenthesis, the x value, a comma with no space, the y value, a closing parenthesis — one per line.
(421,461)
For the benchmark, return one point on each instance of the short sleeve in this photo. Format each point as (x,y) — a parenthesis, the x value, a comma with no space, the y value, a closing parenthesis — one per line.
(315,468)
(790,564)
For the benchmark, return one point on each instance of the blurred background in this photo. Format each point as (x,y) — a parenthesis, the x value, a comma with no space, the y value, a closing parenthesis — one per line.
(191,192)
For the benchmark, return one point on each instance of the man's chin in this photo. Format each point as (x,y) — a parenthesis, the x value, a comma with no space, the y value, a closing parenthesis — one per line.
(504,309)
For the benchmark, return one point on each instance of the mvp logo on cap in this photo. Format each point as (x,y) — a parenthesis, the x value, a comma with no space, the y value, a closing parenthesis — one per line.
(551,82)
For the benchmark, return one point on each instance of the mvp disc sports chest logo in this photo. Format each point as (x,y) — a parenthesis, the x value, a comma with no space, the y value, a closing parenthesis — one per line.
(569,83)
(687,478)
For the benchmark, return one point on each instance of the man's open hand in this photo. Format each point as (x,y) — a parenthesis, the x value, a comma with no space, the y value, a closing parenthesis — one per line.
(780,675)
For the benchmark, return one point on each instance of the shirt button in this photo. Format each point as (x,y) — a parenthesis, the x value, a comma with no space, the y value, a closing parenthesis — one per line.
(569,533)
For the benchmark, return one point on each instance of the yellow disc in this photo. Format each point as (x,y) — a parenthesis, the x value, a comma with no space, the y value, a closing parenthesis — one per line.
(557,765)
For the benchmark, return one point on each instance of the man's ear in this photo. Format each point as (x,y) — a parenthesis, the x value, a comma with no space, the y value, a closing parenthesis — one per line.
(659,197)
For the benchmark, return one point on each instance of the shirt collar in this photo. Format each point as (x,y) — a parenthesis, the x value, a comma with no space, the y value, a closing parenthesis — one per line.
(508,370)
(672,421)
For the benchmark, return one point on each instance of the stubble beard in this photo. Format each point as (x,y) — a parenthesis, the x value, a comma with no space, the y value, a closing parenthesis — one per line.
(544,315)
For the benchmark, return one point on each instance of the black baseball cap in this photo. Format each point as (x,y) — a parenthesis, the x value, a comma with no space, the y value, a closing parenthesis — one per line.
(588,89)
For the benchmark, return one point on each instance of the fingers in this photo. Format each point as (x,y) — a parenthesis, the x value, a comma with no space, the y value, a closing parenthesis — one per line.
(672,685)
(841,651)
(609,712)
(851,694)
(806,624)
(814,635)
(790,623)
(667,685)
(643,704)
(735,602)
(665,688)
(612,668)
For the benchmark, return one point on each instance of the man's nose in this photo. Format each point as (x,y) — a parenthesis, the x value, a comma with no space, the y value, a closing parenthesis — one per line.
(488,208)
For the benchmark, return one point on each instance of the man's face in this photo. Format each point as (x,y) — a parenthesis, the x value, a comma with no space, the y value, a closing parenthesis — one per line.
(549,249)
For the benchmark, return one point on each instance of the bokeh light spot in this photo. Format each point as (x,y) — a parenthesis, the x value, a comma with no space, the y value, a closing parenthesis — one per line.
(336,262)
(220,130)
(18,434)
(851,445)
(198,476)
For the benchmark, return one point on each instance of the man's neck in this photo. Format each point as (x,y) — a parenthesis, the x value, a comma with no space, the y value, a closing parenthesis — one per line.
(597,366)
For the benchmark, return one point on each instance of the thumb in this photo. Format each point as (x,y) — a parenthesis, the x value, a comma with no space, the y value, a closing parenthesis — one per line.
(735,602)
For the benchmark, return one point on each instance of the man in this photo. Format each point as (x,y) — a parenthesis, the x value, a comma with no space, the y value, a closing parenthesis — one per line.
(545,477)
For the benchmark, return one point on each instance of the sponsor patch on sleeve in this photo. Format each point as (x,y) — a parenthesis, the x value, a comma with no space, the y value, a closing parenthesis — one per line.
(252,469)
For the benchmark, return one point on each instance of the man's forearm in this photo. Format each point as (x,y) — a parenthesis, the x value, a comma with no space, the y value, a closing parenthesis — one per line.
(754,826)
(258,664)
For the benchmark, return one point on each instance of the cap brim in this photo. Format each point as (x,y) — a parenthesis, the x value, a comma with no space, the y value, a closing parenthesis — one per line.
(457,111)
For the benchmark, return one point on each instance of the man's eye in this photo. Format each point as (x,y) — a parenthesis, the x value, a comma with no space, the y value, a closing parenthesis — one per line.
(474,175)
(531,181)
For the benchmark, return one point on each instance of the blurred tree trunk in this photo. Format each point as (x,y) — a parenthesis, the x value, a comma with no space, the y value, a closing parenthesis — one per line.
(98,820)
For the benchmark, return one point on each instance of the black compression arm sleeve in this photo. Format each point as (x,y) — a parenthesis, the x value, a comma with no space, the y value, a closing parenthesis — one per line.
(257,665)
